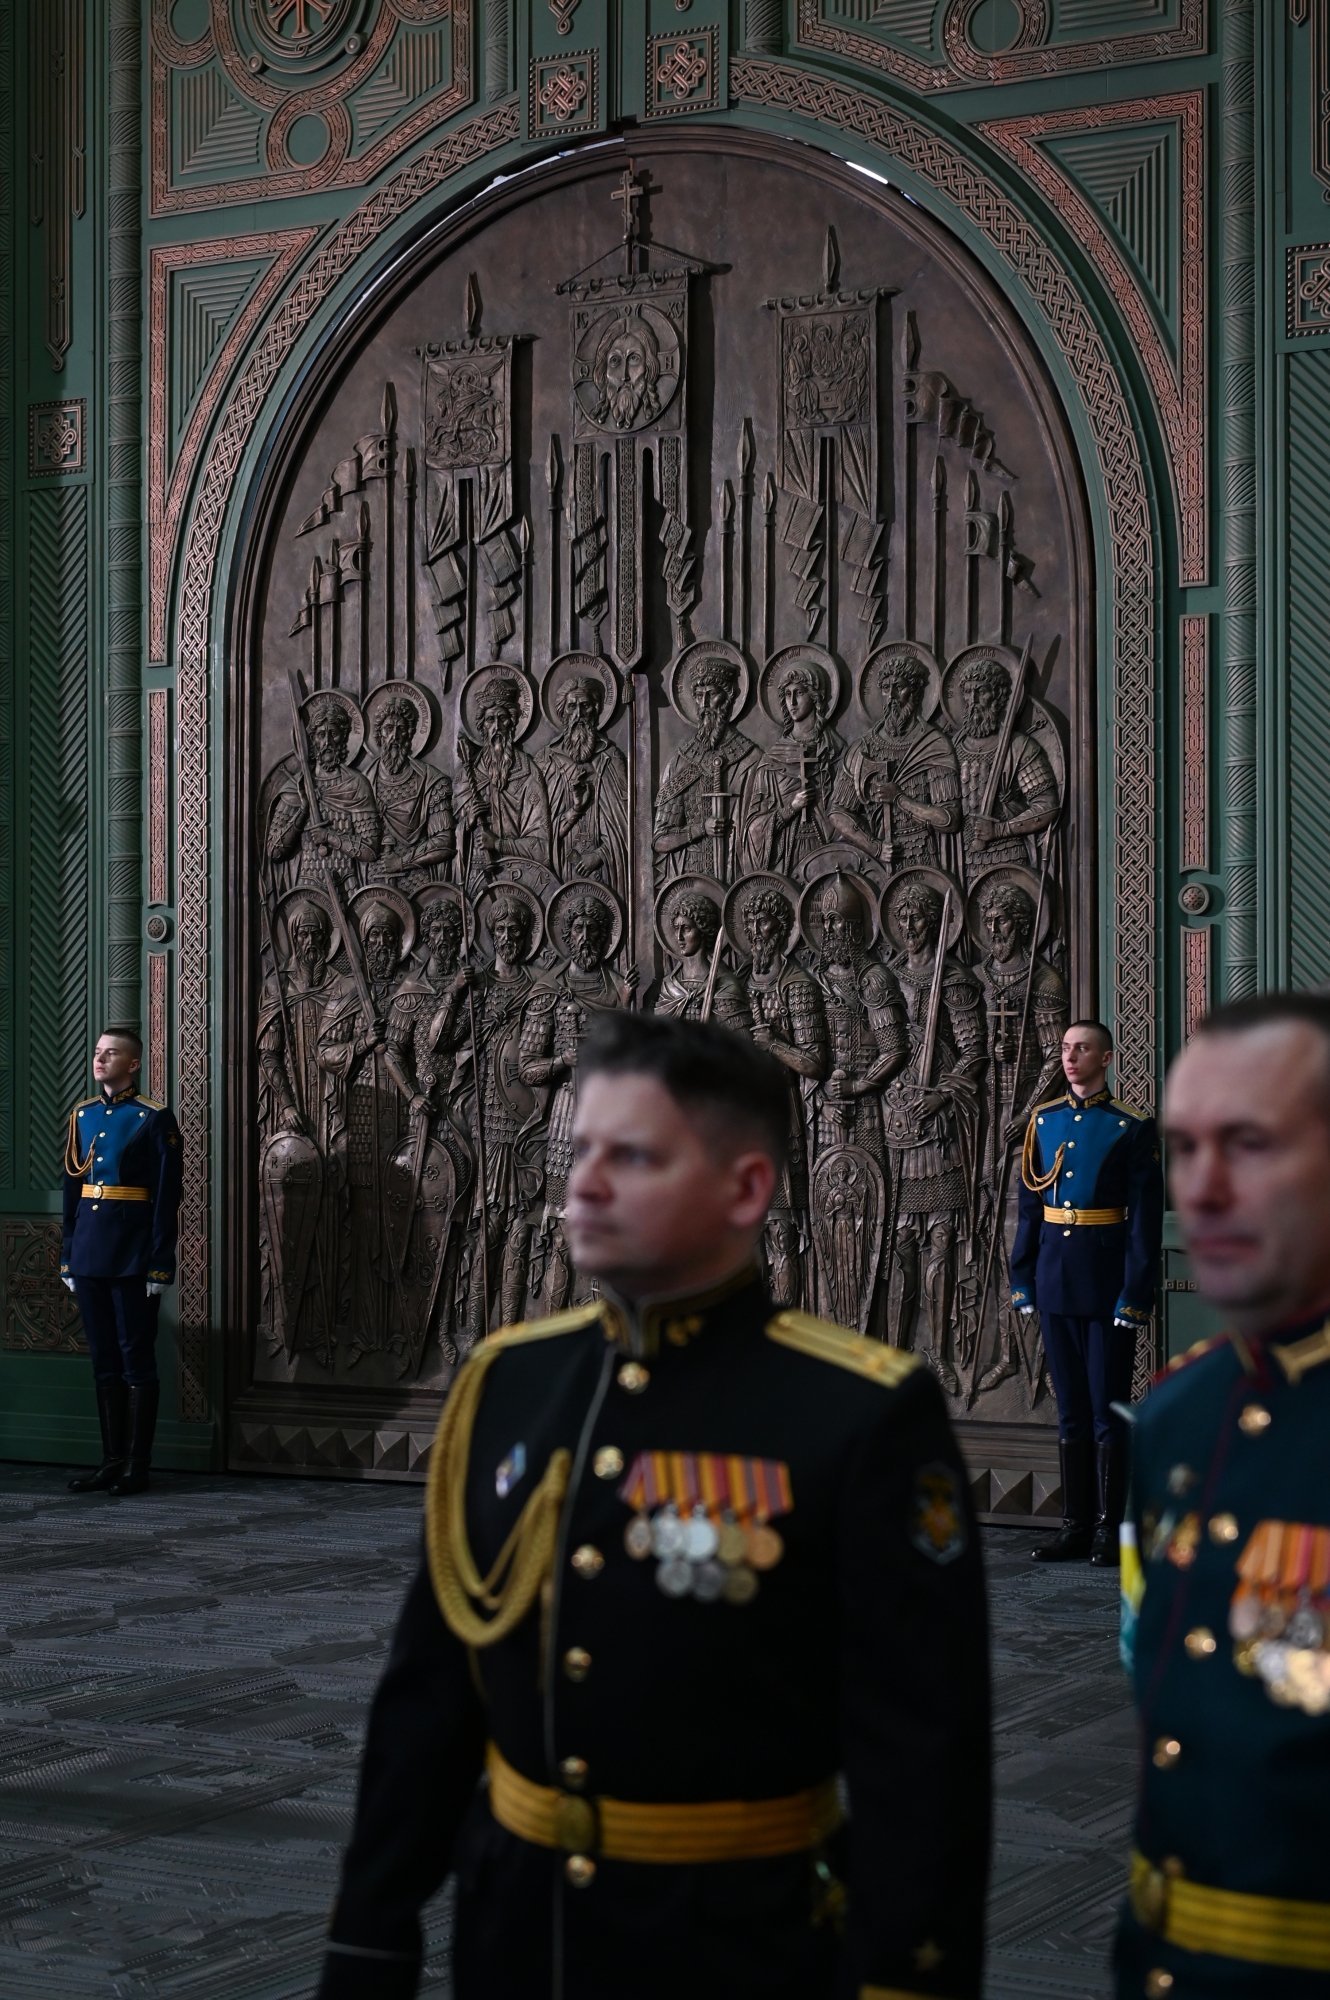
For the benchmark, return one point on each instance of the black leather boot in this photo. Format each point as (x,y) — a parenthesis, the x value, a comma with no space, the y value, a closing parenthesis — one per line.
(1072,1540)
(112,1407)
(143,1399)
(1110,1488)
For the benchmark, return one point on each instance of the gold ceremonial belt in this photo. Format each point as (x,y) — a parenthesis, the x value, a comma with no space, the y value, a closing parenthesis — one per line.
(711,1830)
(1262,1930)
(99,1191)
(1084,1218)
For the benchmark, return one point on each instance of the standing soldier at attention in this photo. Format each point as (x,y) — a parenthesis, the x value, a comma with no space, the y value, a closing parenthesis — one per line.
(122,1198)
(1085,1255)
(690,1560)
(1227,1589)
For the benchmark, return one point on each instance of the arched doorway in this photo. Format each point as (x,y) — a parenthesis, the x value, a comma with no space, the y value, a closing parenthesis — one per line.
(738,424)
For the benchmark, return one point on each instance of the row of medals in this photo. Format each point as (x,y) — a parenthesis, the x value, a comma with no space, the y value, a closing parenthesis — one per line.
(714,1561)
(1285,1643)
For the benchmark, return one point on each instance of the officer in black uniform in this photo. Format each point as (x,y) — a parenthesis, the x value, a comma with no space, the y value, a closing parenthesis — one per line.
(1226,1557)
(122,1199)
(1086,1254)
(690,1561)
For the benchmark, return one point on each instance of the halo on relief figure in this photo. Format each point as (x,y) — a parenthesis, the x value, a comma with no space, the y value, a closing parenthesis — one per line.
(742,895)
(400,905)
(560,909)
(670,897)
(579,666)
(518,891)
(479,687)
(870,695)
(939,882)
(306,893)
(1020,878)
(417,697)
(829,881)
(826,670)
(443,892)
(698,654)
(339,698)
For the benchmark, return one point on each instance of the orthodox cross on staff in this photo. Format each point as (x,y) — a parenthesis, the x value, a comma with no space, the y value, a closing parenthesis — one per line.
(628,194)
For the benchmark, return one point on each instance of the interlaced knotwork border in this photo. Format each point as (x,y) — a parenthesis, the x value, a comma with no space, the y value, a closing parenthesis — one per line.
(1130,558)
(196,605)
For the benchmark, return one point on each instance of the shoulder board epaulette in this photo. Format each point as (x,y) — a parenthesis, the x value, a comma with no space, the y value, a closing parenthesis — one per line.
(542,1329)
(151,1103)
(825,1341)
(1049,1104)
(82,1105)
(1121,1104)
(1195,1352)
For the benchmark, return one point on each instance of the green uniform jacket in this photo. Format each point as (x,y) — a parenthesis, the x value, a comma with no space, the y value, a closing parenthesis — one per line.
(1231,1668)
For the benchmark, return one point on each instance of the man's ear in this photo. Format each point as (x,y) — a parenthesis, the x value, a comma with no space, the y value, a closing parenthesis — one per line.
(754,1183)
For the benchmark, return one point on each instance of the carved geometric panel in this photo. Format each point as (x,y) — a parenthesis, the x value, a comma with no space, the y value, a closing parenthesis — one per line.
(1130,174)
(1308,290)
(204,301)
(681,74)
(37,1312)
(266,103)
(57,437)
(564,93)
(1144,227)
(1307,429)
(1039,38)
(59,833)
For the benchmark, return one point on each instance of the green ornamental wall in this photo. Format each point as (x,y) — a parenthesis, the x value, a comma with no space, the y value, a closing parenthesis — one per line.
(193,196)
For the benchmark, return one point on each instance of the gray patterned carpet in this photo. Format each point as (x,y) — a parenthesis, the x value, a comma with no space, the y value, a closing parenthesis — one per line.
(183,1681)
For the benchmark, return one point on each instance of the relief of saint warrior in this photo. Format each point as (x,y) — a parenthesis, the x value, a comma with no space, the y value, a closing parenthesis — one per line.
(343,834)
(415,804)
(784,812)
(898,792)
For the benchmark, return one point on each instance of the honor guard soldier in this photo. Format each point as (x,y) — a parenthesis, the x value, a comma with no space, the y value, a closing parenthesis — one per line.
(700,1575)
(1086,1255)
(122,1198)
(1226,1556)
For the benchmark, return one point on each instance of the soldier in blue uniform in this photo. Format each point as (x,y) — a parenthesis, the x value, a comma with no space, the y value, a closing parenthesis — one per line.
(122,1197)
(689,1558)
(1226,1550)
(1086,1255)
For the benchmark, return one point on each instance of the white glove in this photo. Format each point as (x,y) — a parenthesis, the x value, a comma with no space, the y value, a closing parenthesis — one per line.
(154,1290)
(1129,1323)
(68,1283)
(1026,1312)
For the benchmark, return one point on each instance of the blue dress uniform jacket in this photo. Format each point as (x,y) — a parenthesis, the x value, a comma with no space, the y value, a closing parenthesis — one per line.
(125,1141)
(861,1650)
(1106,1156)
(1230,1660)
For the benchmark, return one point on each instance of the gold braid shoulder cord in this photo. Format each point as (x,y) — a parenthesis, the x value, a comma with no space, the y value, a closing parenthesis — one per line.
(73,1165)
(1037,1182)
(524,1561)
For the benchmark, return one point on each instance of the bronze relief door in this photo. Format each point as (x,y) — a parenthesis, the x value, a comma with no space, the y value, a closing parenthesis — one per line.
(677,599)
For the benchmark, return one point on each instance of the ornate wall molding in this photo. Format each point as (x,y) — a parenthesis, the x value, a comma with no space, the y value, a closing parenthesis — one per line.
(243,101)
(37,1314)
(1030,57)
(158,800)
(57,159)
(1180,383)
(169,479)
(1317,14)
(1132,554)
(1195,652)
(456,150)
(57,437)
(1195,979)
(158,1034)
(1308,290)
(1238,487)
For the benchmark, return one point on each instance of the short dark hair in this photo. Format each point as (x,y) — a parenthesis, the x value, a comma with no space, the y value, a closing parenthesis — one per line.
(130,1035)
(1089,1021)
(1264,1010)
(709,1071)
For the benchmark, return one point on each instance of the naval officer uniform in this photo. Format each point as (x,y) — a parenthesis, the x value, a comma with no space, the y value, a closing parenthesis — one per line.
(121,1203)
(1226,1589)
(1086,1254)
(699,1576)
